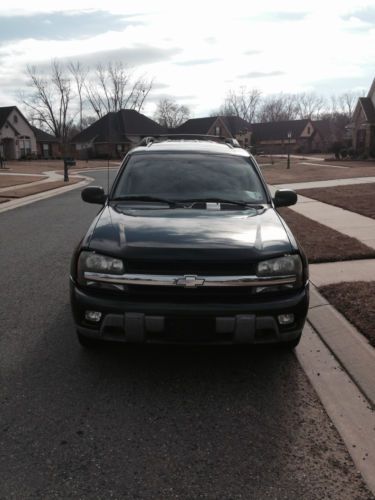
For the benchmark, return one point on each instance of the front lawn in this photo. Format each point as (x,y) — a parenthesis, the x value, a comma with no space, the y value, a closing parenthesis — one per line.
(314,171)
(323,244)
(359,198)
(356,301)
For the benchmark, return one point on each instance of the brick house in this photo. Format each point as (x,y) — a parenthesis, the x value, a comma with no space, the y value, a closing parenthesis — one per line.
(17,138)
(224,126)
(363,124)
(273,137)
(46,144)
(114,134)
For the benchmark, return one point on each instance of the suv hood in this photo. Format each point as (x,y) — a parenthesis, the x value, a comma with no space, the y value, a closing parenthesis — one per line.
(188,234)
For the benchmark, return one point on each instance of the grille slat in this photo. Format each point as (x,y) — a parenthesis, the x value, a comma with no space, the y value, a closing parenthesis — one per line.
(185,267)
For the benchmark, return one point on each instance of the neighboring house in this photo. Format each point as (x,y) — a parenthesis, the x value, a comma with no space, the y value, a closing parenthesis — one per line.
(114,134)
(224,126)
(17,138)
(295,136)
(363,124)
(47,145)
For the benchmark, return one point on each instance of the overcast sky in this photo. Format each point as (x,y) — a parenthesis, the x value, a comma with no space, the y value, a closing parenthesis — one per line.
(196,51)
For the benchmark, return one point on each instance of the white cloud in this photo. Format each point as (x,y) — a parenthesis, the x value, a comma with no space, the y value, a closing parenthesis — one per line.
(295,49)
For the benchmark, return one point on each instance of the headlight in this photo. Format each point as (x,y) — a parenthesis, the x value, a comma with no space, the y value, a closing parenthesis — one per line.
(96,263)
(281,266)
(289,265)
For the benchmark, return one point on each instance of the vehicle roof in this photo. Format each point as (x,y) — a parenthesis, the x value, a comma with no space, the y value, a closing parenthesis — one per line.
(191,146)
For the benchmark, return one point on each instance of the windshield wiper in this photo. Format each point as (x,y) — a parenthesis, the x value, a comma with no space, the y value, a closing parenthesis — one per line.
(136,197)
(222,201)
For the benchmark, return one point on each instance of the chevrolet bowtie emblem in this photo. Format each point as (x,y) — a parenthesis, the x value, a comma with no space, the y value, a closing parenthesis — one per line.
(190,281)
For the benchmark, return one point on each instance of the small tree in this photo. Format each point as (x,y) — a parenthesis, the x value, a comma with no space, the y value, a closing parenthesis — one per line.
(170,114)
(111,88)
(242,103)
(49,101)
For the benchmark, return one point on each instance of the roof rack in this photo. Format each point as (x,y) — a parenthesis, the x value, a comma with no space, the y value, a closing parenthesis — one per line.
(230,141)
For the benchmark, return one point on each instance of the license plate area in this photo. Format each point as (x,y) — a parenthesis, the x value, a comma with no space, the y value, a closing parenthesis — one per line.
(190,328)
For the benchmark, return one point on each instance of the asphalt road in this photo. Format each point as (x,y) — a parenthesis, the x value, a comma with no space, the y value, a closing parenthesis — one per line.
(146,422)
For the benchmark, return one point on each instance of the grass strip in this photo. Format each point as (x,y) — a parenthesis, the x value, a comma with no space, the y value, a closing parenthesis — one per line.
(359,198)
(321,243)
(356,301)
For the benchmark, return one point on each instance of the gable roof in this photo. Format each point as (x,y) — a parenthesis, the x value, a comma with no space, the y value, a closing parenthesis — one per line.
(4,113)
(196,125)
(235,124)
(42,136)
(116,126)
(368,109)
(278,130)
(325,127)
(371,92)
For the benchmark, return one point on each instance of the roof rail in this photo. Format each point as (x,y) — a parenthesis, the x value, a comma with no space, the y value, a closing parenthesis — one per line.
(147,141)
(230,141)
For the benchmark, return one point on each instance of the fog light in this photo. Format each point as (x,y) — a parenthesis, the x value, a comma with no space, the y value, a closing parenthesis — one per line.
(94,316)
(285,319)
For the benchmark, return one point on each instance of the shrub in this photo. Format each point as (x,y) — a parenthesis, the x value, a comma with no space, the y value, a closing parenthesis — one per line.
(344,153)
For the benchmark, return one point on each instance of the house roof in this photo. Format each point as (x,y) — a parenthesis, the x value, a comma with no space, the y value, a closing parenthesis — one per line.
(235,124)
(324,127)
(116,126)
(196,125)
(42,136)
(278,130)
(368,109)
(4,113)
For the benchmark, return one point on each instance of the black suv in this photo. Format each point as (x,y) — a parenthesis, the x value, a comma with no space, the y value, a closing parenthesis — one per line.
(188,247)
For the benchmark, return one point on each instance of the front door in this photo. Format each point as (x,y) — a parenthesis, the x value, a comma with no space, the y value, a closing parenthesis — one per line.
(9,149)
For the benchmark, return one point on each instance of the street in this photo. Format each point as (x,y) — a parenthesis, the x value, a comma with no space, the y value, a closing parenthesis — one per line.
(143,422)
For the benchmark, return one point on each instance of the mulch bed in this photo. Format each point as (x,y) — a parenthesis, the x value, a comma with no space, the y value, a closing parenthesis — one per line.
(279,174)
(321,243)
(13,180)
(39,166)
(359,198)
(40,188)
(356,301)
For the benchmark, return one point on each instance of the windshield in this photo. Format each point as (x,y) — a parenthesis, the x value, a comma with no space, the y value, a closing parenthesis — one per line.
(182,176)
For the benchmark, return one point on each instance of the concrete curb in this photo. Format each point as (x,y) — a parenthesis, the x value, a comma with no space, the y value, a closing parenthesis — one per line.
(10,205)
(351,349)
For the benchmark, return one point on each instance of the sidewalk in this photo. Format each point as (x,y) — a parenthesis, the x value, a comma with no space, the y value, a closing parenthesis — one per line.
(354,225)
(336,272)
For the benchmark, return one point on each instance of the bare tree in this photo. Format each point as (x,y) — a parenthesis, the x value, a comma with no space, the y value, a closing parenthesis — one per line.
(242,103)
(79,74)
(281,107)
(309,105)
(112,88)
(49,101)
(170,114)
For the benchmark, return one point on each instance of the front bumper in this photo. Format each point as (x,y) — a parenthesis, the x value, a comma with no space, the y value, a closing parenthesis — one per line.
(127,320)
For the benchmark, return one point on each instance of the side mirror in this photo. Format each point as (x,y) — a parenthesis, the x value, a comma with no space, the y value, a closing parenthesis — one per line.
(94,194)
(285,198)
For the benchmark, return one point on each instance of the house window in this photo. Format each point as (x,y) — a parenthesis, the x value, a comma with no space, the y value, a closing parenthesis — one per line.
(15,119)
(308,130)
(25,146)
(217,130)
(45,150)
